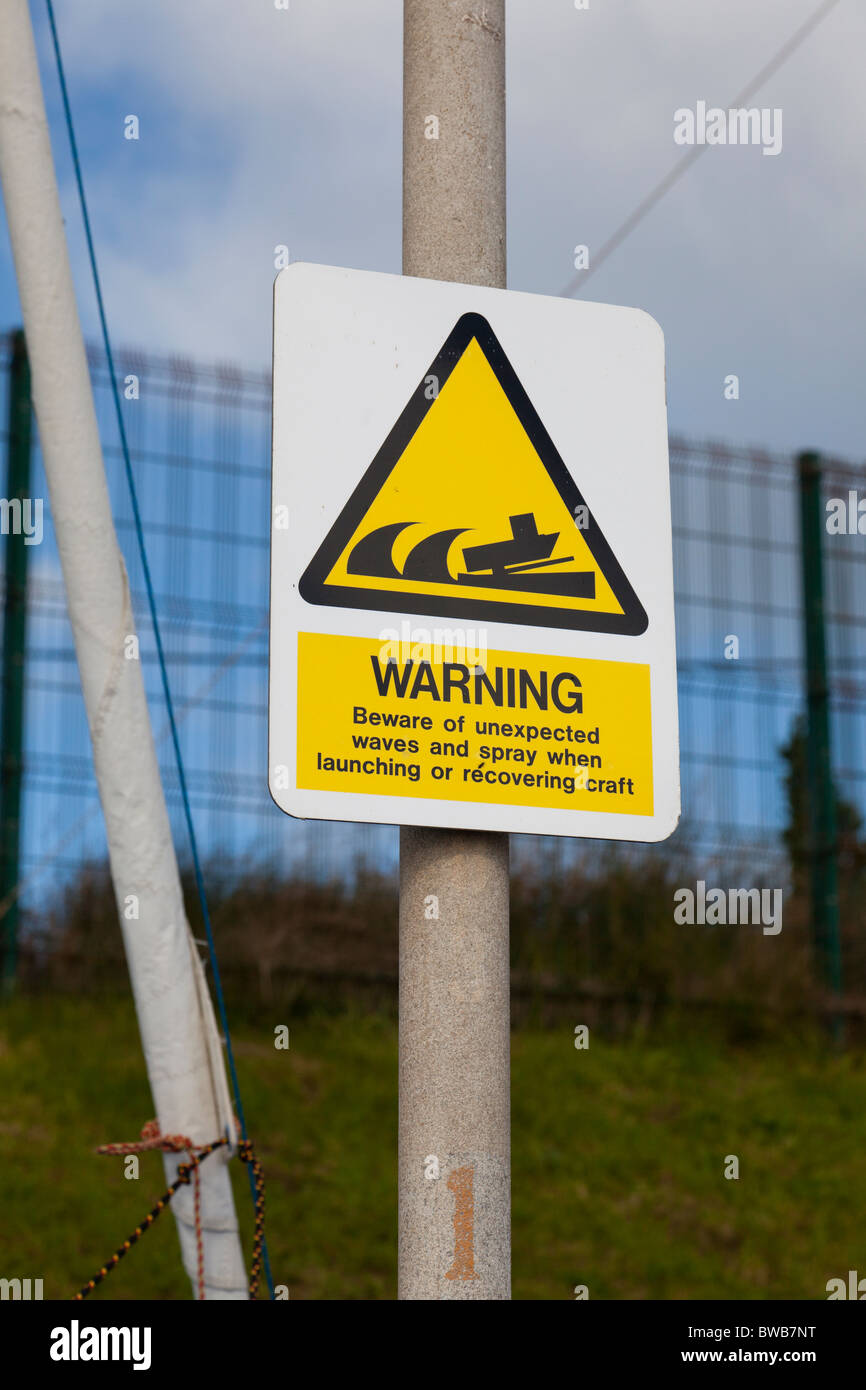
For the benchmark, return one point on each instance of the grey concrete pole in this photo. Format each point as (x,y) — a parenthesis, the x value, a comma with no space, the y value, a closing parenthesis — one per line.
(454,1146)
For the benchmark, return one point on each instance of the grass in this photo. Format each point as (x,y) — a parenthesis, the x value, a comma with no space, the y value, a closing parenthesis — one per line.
(618,1160)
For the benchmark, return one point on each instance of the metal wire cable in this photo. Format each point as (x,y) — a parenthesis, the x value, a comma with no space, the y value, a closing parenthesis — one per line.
(151,598)
(578,281)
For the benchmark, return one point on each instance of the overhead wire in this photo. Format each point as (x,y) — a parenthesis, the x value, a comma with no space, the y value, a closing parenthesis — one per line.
(646,205)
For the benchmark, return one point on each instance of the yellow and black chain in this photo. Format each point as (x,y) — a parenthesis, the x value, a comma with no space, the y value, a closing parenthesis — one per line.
(247,1154)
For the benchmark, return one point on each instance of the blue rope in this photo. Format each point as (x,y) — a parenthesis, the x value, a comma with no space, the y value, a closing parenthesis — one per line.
(151,599)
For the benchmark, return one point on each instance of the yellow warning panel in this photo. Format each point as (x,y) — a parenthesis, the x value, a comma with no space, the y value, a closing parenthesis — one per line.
(468,510)
(390,719)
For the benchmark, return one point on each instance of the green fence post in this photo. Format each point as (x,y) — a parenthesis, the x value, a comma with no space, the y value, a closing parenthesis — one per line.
(14,634)
(821,792)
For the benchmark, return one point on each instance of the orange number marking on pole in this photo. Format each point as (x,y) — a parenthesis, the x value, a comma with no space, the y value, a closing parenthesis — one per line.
(462,1183)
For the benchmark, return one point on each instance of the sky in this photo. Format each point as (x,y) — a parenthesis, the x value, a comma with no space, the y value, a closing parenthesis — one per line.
(261,127)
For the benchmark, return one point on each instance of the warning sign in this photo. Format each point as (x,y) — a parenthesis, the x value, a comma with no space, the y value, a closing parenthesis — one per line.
(469,511)
(472,619)
(534,731)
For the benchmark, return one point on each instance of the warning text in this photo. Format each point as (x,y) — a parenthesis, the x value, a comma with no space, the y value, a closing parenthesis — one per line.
(524,730)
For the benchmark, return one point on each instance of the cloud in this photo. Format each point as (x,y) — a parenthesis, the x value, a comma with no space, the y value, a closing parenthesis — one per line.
(258,128)
(262,127)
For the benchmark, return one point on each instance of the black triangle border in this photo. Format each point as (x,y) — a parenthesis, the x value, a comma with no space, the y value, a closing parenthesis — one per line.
(313,589)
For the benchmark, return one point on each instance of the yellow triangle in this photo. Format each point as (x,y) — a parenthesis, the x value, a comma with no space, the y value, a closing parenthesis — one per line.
(465,474)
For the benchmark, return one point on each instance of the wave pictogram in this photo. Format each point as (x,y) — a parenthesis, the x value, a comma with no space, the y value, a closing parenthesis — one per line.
(521,562)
